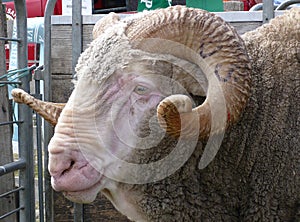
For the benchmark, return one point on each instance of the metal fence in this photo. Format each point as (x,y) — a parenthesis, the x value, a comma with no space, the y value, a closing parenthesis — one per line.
(25,164)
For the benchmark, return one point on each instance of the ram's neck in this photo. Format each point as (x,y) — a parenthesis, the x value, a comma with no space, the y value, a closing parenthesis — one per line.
(189,192)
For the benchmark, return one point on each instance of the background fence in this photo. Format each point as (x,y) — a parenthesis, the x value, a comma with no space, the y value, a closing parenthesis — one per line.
(31,165)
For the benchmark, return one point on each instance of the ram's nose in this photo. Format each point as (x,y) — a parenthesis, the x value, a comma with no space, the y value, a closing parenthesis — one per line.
(61,163)
(69,169)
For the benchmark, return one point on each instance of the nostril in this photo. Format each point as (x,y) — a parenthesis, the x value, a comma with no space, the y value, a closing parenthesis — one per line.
(69,168)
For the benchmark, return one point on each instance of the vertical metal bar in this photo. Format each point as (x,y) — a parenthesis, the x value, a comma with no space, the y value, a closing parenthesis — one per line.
(39,156)
(76,51)
(47,50)
(127,5)
(268,10)
(76,32)
(78,212)
(26,177)
(48,130)
(6,182)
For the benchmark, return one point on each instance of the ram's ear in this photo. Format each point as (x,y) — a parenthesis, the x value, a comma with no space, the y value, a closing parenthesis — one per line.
(104,23)
(49,111)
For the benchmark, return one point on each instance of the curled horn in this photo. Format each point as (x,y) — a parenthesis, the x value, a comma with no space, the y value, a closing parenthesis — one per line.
(219,47)
(49,111)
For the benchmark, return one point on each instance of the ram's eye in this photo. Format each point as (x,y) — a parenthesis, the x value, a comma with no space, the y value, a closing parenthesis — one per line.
(141,90)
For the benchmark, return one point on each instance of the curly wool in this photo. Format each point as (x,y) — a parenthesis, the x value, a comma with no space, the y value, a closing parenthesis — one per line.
(269,43)
(110,48)
(255,175)
(112,51)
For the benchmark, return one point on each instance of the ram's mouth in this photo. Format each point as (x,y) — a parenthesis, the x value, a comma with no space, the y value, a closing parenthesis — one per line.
(106,192)
(87,195)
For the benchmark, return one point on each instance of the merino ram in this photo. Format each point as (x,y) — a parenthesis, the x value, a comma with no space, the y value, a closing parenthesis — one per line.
(173,120)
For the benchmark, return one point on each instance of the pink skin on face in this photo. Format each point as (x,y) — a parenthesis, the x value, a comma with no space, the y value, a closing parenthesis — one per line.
(76,142)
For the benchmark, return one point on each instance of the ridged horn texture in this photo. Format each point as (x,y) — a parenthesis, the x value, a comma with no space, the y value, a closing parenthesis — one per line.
(223,55)
(49,111)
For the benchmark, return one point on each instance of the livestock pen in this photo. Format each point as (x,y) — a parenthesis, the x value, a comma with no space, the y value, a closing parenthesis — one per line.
(19,199)
(74,34)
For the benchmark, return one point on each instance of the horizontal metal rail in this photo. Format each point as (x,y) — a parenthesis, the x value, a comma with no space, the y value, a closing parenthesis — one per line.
(11,212)
(15,210)
(107,10)
(10,82)
(286,4)
(11,167)
(12,191)
(10,122)
(9,39)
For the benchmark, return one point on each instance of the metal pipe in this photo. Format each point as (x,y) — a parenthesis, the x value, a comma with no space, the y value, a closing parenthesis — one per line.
(256,7)
(127,2)
(76,33)
(12,212)
(26,177)
(76,51)
(107,10)
(10,122)
(78,212)
(48,130)
(13,166)
(10,39)
(47,50)
(11,192)
(268,10)
(286,4)
(10,82)
(39,155)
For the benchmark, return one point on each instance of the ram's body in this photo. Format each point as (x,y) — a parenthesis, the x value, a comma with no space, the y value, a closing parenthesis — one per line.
(255,175)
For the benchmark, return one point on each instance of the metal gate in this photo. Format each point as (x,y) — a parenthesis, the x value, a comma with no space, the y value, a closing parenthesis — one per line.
(21,78)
